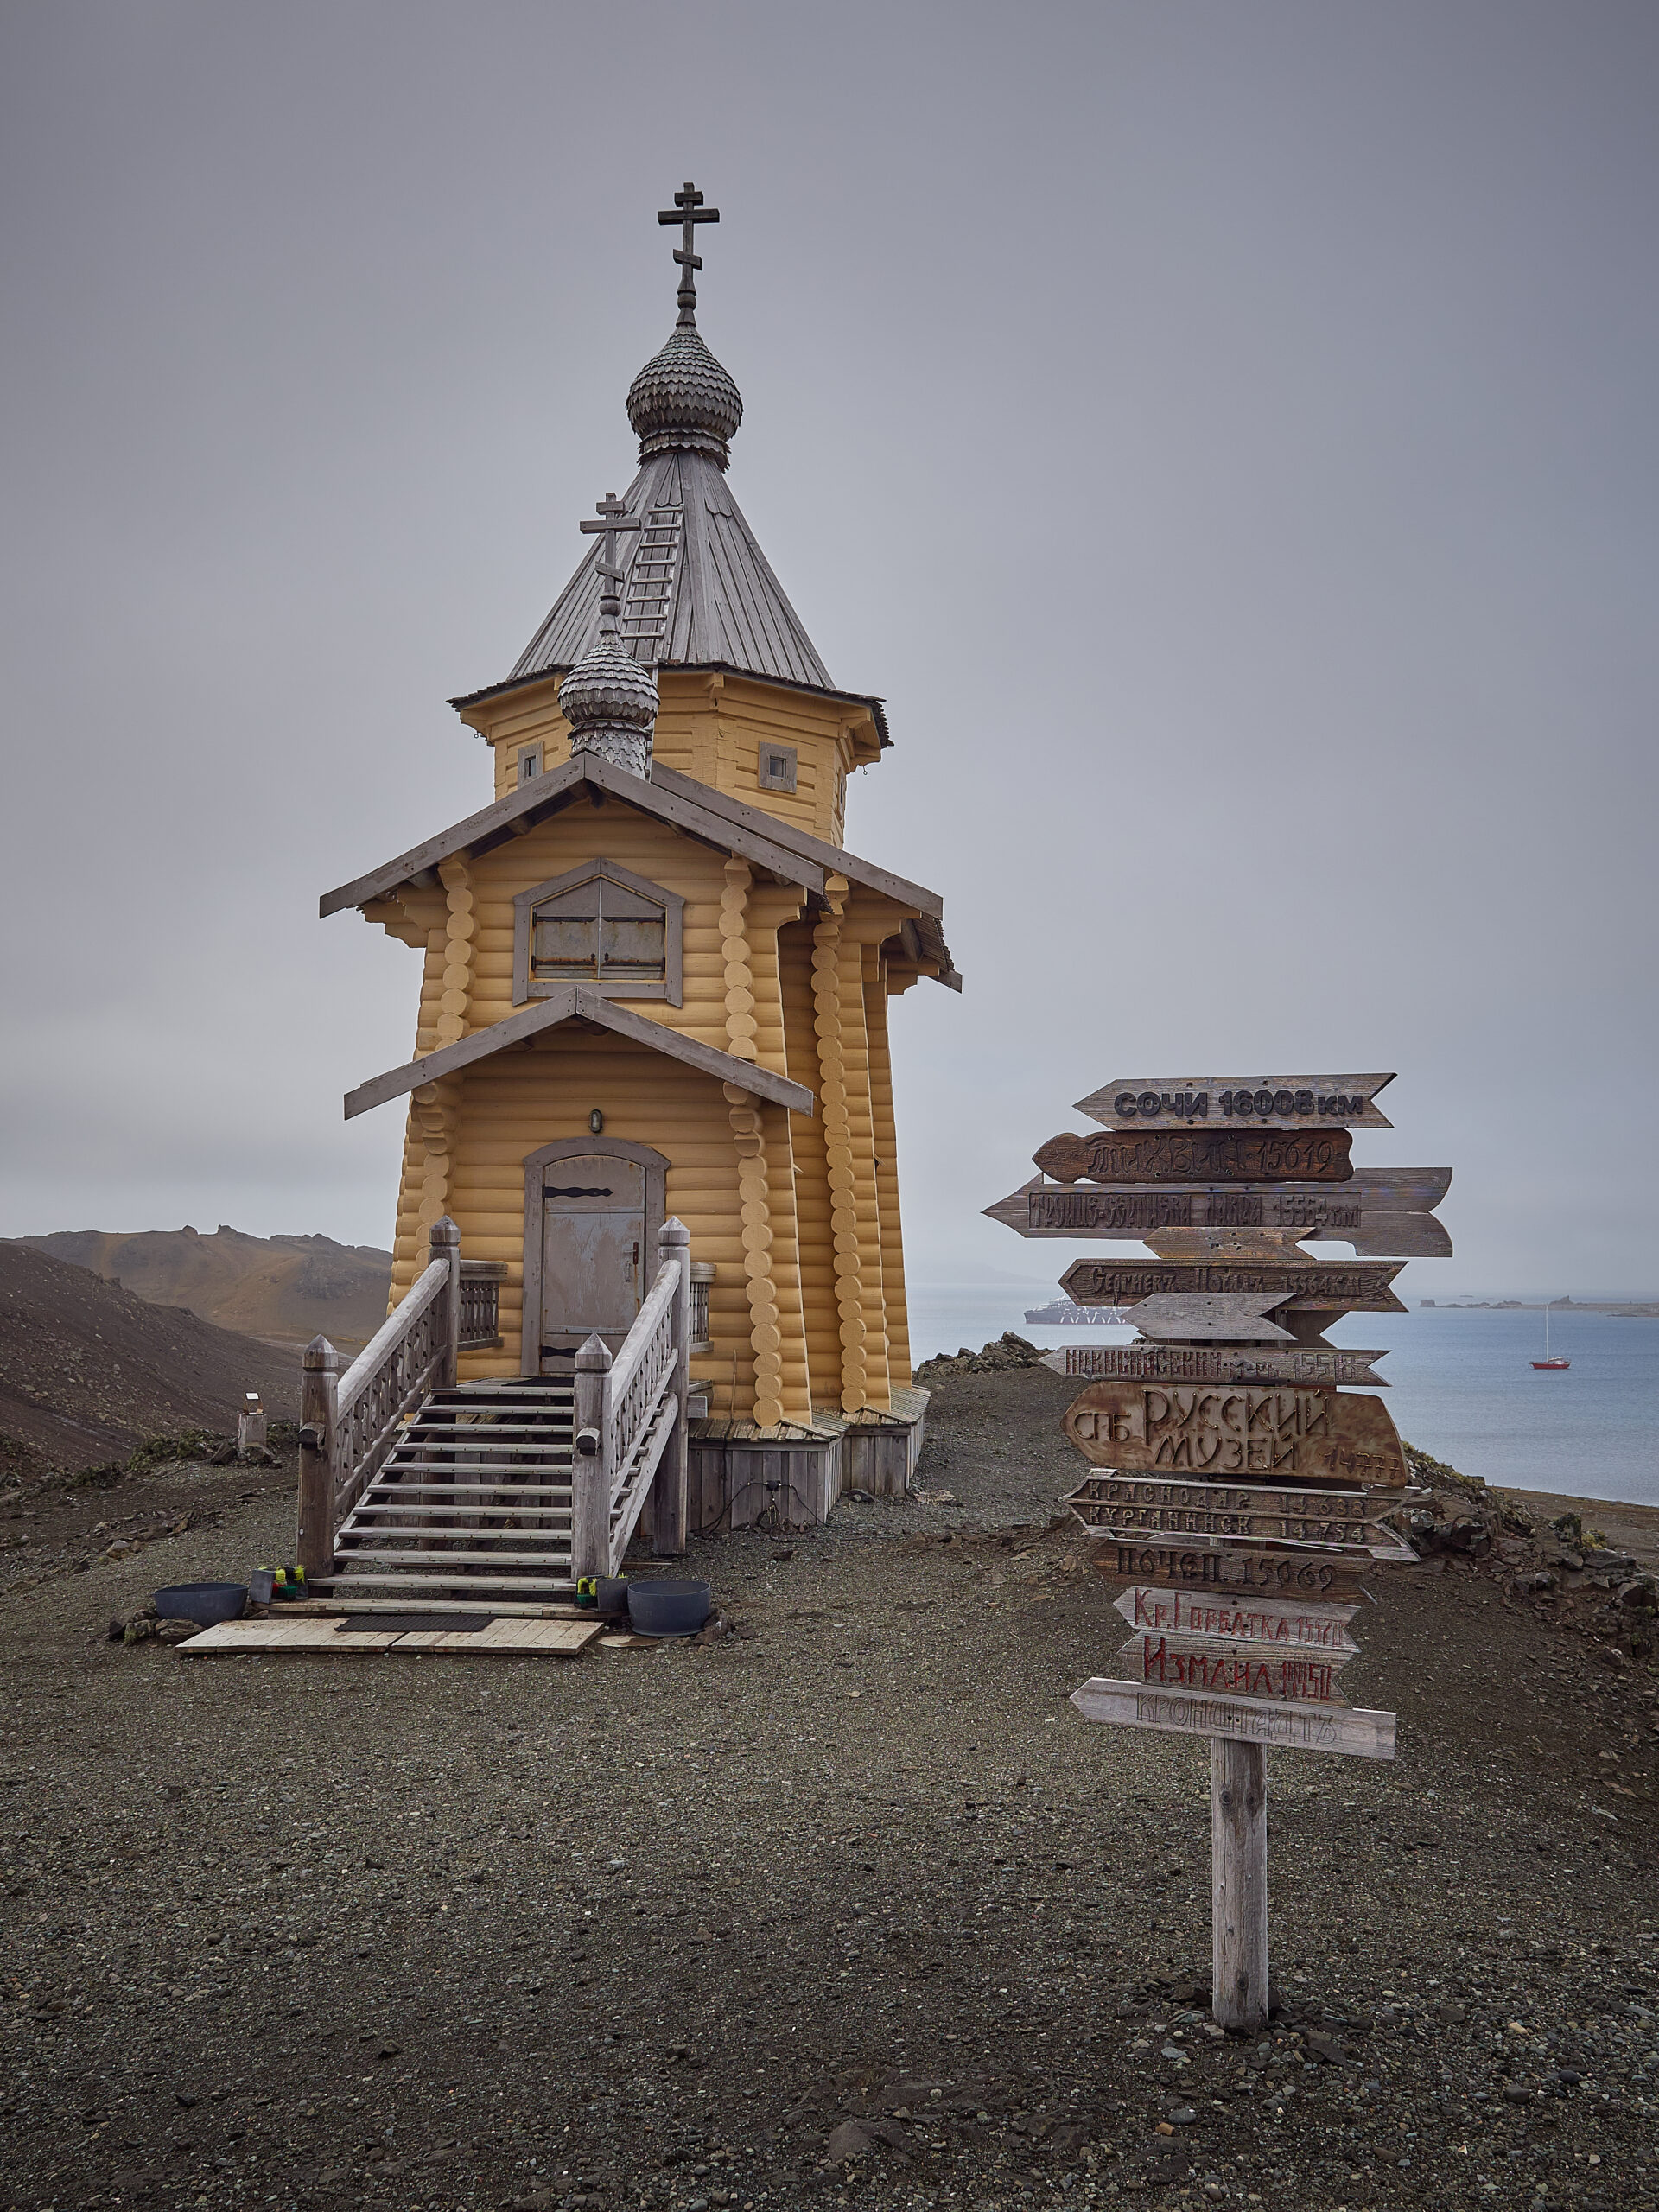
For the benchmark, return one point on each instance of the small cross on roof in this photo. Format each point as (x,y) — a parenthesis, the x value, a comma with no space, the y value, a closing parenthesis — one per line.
(688,211)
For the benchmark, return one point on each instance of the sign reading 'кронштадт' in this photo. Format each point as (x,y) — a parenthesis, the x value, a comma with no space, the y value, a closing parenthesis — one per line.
(1305,1286)
(1222,1431)
(1198,1156)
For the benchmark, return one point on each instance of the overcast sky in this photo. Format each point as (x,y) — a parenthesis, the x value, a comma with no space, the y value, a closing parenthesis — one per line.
(1224,430)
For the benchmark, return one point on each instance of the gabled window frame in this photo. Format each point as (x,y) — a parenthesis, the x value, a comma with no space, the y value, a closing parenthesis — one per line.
(670,987)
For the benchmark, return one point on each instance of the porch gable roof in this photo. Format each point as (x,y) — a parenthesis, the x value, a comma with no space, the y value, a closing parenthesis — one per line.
(571,1002)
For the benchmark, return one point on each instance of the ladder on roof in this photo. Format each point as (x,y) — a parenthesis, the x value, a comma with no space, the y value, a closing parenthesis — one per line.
(650,582)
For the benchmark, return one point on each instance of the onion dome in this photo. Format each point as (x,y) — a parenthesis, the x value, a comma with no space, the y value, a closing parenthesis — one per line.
(610,700)
(682,400)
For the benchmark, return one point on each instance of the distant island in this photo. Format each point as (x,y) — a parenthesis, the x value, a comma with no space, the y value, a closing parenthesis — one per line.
(1635,1308)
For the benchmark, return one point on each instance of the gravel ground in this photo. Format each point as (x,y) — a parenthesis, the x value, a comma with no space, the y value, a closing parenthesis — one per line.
(853,1910)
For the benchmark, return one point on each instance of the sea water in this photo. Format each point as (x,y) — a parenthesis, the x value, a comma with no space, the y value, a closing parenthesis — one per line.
(1461,1384)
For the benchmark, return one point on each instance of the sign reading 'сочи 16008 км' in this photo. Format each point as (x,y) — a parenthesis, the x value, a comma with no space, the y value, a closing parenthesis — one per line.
(1285,1101)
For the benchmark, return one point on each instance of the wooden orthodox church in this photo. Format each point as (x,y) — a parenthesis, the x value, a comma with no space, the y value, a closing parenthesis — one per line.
(654,988)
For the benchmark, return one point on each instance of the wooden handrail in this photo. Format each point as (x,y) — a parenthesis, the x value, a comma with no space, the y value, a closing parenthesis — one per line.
(658,1298)
(350,1422)
(428,1285)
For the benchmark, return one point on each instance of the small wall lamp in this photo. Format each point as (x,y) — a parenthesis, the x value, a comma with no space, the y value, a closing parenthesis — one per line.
(596,1122)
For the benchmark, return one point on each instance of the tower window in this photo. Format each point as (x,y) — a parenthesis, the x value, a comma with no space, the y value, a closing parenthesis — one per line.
(776,769)
(529,763)
(602,925)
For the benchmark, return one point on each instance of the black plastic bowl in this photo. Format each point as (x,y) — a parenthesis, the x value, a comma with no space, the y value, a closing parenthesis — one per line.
(204,1602)
(664,1608)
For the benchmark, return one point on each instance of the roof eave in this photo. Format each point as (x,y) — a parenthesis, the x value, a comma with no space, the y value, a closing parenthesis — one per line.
(875,706)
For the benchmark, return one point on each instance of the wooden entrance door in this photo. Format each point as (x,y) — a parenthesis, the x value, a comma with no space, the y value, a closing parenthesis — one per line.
(591,1217)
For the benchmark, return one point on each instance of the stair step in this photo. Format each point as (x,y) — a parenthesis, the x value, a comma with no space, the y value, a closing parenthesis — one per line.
(382,1490)
(467,1556)
(493,1512)
(496,1432)
(497,1585)
(396,1466)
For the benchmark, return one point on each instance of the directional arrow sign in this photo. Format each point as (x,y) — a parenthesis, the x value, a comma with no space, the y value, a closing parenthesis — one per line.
(1312,1626)
(1265,1102)
(1218,1571)
(1198,1155)
(1238,1432)
(1304,1287)
(1192,1662)
(1127,1508)
(1382,1212)
(1233,1362)
(1237,1316)
(1250,1720)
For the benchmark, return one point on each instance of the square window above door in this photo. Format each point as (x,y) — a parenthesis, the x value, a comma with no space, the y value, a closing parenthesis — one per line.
(602,926)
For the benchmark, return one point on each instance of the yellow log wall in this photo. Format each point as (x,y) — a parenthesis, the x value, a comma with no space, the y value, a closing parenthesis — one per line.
(822,1323)
(711,727)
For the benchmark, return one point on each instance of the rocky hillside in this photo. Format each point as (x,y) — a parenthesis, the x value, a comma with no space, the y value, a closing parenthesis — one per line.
(88,1371)
(285,1289)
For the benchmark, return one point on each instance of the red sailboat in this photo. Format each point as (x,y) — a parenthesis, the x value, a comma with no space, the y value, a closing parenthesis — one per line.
(1547,1361)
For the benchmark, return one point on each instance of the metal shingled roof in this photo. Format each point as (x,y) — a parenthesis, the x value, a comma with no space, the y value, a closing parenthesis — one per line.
(697,565)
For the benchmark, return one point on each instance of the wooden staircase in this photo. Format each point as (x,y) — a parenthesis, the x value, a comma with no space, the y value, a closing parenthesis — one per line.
(474,1499)
(414,1486)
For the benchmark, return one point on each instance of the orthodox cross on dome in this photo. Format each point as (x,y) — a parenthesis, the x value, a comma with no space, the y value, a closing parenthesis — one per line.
(613,517)
(688,211)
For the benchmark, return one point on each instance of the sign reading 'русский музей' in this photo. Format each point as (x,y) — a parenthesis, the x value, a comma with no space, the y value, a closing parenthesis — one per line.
(1223,1456)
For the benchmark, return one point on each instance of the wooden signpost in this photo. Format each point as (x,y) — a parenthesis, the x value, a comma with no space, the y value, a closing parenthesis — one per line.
(1388,1213)
(1202,1155)
(1125,1507)
(1303,1286)
(1201,1362)
(1278,1432)
(1272,1102)
(1238,1491)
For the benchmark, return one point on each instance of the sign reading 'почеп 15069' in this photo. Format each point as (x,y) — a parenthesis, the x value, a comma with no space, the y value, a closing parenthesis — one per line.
(1224,1430)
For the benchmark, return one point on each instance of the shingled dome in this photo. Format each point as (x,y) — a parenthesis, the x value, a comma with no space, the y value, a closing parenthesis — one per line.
(683,401)
(610,701)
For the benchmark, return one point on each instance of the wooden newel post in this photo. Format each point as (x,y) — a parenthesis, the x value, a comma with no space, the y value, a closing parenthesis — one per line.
(591,1474)
(319,1424)
(1238,1877)
(669,1496)
(443,1243)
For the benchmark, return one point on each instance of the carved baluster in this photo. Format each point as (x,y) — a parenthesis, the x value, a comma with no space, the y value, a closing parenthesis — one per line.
(591,1470)
(319,1451)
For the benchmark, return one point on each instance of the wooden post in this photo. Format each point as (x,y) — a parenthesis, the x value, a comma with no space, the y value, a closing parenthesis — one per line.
(444,1243)
(669,1492)
(1238,1883)
(319,1391)
(590,1473)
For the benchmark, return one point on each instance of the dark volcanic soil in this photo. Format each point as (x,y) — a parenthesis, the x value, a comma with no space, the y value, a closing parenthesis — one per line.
(87,1371)
(654,1928)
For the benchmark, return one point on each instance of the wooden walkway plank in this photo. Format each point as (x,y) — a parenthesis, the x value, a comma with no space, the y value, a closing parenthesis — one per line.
(503,1638)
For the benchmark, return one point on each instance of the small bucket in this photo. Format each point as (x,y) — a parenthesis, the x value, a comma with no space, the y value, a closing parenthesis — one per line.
(665,1608)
